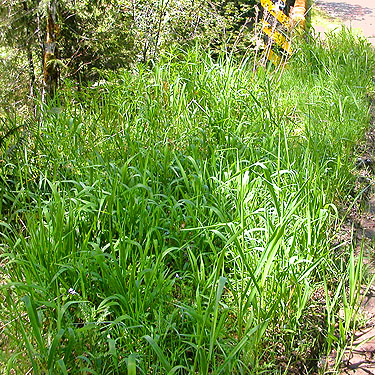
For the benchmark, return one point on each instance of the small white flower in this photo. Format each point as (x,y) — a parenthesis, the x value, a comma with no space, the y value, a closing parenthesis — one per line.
(72,292)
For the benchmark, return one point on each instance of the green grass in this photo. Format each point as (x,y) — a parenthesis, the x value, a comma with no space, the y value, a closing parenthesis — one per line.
(191,208)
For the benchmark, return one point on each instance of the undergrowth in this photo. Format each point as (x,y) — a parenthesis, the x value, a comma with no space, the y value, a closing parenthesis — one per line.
(179,219)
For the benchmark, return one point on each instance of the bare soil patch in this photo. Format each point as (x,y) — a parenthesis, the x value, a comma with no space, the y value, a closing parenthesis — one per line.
(359,357)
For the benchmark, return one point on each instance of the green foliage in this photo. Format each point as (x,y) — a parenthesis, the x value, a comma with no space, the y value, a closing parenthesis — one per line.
(18,23)
(177,219)
(98,36)
(109,36)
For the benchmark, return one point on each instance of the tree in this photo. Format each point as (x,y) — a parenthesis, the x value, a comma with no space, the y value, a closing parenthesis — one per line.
(51,52)
(18,38)
(80,38)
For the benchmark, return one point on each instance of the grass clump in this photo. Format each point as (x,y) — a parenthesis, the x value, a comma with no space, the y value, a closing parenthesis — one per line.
(177,219)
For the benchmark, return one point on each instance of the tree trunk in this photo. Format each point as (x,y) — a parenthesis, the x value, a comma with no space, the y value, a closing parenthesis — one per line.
(50,66)
(29,51)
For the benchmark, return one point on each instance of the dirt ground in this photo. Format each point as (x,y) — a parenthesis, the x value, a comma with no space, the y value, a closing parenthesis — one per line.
(359,357)
(357,14)
(327,15)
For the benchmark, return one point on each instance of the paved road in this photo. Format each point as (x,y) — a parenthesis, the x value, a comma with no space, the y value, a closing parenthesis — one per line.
(358,14)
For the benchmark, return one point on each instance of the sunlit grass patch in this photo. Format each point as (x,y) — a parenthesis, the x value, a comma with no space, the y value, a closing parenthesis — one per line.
(190,208)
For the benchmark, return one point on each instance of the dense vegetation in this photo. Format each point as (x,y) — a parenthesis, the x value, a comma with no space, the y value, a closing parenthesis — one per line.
(180,218)
(86,37)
